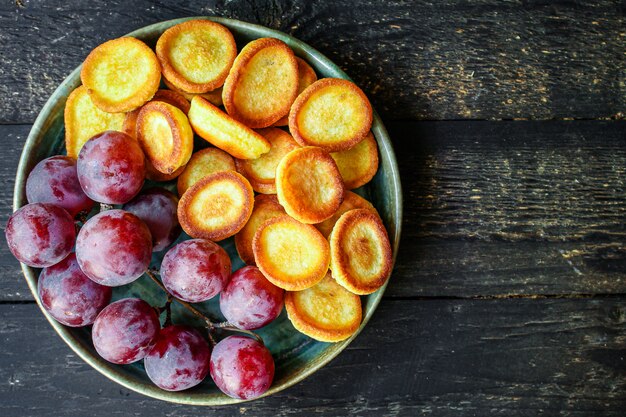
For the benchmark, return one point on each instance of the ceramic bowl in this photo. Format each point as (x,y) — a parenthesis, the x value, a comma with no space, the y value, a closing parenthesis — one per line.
(296,356)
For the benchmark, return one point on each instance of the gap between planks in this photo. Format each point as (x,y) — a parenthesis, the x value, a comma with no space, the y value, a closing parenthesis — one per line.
(584,296)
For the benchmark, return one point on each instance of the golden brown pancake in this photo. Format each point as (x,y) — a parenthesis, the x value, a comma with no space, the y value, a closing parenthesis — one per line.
(203,163)
(309,185)
(196,55)
(261,172)
(306,77)
(167,96)
(331,113)
(221,130)
(361,255)
(121,74)
(292,255)
(351,201)
(165,135)
(359,164)
(217,206)
(326,312)
(83,120)
(262,84)
(214,96)
(265,207)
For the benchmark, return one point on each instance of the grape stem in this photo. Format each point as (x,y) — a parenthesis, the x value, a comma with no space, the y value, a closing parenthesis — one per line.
(81,217)
(105,207)
(168,311)
(209,324)
(209,333)
(167,308)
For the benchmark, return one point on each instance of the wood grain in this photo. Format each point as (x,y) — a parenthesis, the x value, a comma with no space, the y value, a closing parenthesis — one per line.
(440,357)
(12,283)
(509,292)
(419,59)
(511,208)
(491,209)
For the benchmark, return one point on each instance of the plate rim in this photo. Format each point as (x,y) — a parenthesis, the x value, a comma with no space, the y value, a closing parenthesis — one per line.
(112,371)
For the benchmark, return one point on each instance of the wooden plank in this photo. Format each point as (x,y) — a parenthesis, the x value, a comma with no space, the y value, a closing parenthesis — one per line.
(511,208)
(469,268)
(514,181)
(491,208)
(12,284)
(439,357)
(426,60)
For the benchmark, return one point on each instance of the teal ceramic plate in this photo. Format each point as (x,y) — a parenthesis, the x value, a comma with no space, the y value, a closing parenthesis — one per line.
(296,355)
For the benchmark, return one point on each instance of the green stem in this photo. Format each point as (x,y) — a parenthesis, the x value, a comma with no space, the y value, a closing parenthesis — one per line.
(168,311)
(210,325)
(105,207)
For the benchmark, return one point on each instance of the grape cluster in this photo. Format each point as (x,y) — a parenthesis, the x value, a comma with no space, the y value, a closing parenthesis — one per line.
(113,247)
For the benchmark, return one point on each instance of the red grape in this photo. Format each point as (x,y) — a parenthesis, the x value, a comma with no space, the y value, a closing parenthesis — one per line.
(124,331)
(179,359)
(111,167)
(157,208)
(250,301)
(114,248)
(69,295)
(54,180)
(242,367)
(40,234)
(195,270)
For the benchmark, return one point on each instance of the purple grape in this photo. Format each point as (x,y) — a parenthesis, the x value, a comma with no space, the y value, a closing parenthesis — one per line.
(114,248)
(111,167)
(195,270)
(157,208)
(250,301)
(40,234)
(124,331)
(179,359)
(69,295)
(54,180)
(242,367)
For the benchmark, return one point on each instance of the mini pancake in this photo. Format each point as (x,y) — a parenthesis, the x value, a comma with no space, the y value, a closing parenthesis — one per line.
(306,77)
(155,175)
(121,74)
(261,172)
(351,201)
(221,130)
(83,120)
(203,163)
(164,133)
(262,83)
(361,255)
(266,207)
(130,123)
(331,113)
(326,312)
(292,255)
(174,98)
(359,164)
(196,55)
(166,96)
(214,96)
(309,185)
(217,206)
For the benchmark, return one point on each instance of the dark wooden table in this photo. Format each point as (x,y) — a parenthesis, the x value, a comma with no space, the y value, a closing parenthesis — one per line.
(509,292)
